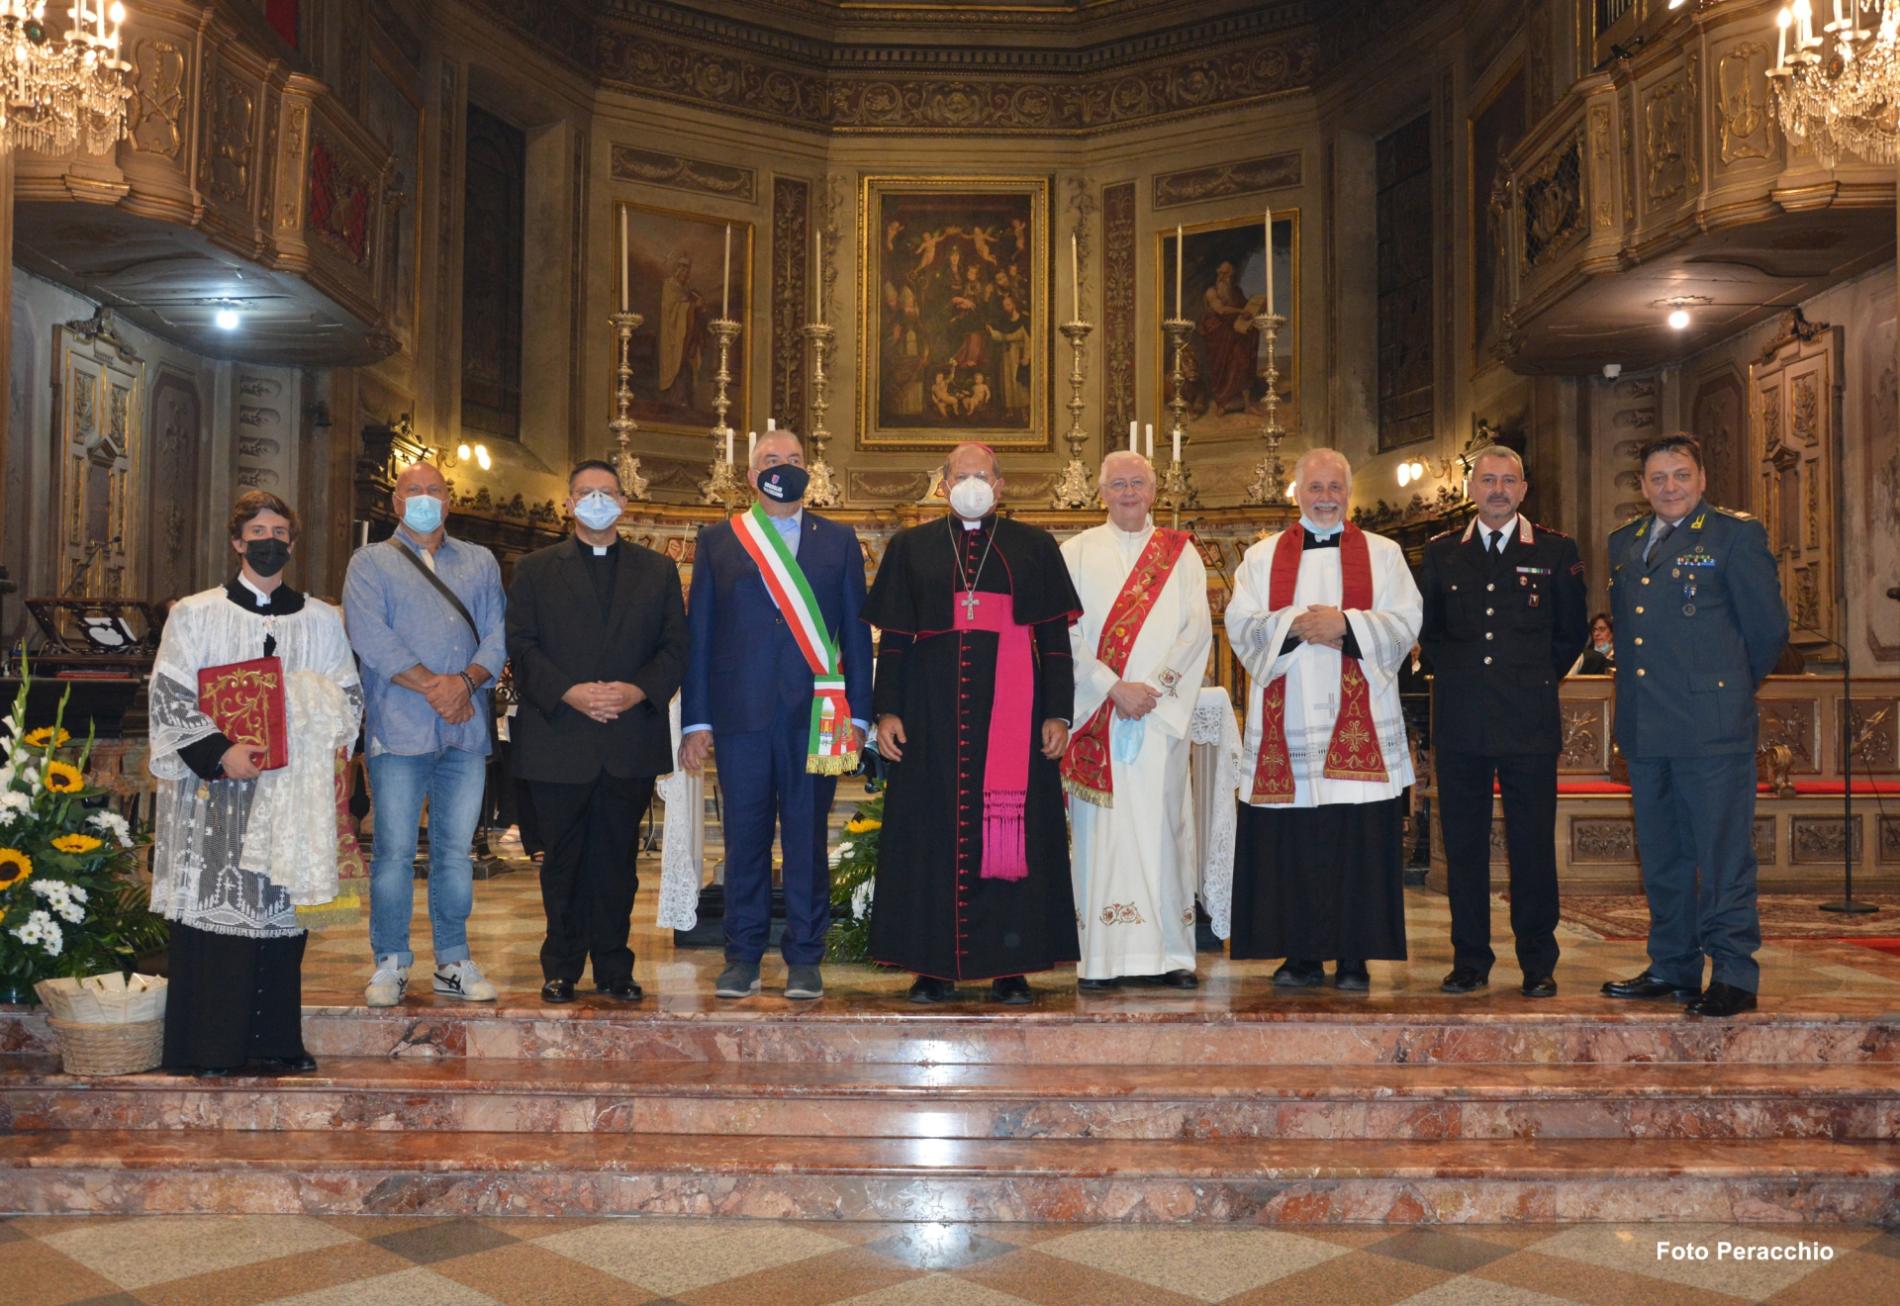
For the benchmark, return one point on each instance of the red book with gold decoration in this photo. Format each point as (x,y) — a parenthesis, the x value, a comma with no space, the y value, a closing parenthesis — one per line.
(246,699)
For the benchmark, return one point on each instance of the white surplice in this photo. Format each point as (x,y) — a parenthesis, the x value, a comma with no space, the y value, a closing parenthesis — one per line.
(1134,863)
(1386,633)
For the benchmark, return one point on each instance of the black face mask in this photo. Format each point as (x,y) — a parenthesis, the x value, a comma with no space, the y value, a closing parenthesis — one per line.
(267,557)
(784,483)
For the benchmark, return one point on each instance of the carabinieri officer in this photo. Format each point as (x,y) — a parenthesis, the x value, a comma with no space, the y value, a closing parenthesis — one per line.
(1504,619)
(1699,623)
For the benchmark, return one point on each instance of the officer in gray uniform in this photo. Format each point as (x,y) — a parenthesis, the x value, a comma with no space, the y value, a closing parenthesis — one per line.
(1699,623)
(1504,619)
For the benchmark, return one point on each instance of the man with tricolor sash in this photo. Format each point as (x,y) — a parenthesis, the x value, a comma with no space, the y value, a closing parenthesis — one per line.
(1323,614)
(779,675)
(1140,655)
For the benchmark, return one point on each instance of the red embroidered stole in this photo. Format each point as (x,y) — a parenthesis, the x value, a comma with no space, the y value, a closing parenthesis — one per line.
(1086,772)
(1353,753)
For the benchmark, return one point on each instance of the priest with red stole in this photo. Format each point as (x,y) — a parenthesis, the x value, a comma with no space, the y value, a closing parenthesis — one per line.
(974,689)
(1322,617)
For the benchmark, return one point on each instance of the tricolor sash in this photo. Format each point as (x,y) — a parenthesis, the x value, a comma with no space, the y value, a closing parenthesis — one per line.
(826,754)
(1353,753)
(1086,772)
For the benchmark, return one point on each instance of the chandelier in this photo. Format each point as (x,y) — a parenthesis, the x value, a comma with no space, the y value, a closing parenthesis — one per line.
(58,94)
(1838,89)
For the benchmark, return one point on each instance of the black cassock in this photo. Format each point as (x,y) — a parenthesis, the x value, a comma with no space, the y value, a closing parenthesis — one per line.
(932,912)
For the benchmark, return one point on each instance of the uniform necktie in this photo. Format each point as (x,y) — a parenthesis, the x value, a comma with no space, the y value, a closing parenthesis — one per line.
(1496,548)
(1663,532)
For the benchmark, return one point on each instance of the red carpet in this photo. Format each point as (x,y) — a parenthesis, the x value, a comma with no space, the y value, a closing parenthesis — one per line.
(1783,916)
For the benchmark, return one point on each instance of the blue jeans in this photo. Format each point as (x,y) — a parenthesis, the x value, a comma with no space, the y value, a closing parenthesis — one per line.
(451,781)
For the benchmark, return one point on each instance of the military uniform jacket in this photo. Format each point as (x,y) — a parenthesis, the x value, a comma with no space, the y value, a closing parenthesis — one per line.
(1699,625)
(1500,631)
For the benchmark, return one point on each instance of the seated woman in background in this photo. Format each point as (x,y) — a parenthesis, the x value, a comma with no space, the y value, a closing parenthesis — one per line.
(1599,659)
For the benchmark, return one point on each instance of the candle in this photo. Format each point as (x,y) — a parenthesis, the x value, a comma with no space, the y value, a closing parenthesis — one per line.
(626,295)
(751,446)
(1269,262)
(1177,281)
(1151,442)
(771,425)
(1840,14)
(725,279)
(1782,21)
(1075,275)
(1177,444)
(818,274)
(728,448)
(1134,437)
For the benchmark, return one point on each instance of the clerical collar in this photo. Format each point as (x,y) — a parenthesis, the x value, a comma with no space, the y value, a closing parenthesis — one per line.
(595,550)
(259,598)
(1315,532)
(977,525)
(1308,540)
(280,602)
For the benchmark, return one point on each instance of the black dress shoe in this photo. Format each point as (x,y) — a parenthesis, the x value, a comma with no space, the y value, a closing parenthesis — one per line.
(1296,974)
(1723,1000)
(302,1064)
(1174,979)
(928,988)
(1352,977)
(1097,985)
(1010,990)
(623,990)
(213,1072)
(1540,986)
(1651,986)
(1464,979)
(557,990)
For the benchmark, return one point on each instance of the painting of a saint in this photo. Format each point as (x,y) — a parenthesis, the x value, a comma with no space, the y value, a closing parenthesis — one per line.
(1223,292)
(954,319)
(678,275)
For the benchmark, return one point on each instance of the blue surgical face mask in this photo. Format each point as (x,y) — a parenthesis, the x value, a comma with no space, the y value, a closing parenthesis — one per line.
(597,510)
(422,513)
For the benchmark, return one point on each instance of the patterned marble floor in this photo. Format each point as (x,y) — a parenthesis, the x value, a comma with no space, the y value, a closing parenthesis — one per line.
(506,931)
(365,1261)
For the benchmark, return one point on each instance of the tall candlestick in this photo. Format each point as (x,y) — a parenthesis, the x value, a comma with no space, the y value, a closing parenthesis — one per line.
(626,284)
(1177,270)
(818,275)
(1075,277)
(1134,437)
(1269,260)
(725,278)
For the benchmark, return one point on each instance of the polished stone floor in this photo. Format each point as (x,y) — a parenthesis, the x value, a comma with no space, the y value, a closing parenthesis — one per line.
(367,1261)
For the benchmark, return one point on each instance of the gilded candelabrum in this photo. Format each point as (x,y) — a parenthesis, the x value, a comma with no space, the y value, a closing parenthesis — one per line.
(823,490)
(1269,474)
(721,485)
(632,483)
(1074,489)
(1176,490)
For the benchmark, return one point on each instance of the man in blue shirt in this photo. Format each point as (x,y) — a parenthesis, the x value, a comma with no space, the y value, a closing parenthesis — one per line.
(425,617)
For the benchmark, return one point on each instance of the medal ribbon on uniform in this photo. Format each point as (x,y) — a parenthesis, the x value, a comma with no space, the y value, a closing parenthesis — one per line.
(1086,772)
(785,582)
(1354,752)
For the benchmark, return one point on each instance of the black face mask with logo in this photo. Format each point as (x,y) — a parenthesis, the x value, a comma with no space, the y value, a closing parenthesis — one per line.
(267,557)
(784,483)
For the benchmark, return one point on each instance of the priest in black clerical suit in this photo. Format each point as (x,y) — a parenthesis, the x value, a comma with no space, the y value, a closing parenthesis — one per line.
(975,685)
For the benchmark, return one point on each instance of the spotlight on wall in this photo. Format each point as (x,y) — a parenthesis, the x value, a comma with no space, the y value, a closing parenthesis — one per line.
(1679,319)
(225,319)
(478,452)
(1410,471)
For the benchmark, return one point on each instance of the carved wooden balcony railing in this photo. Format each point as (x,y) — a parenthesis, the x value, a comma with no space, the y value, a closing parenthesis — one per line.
(229,138)
(1665,153)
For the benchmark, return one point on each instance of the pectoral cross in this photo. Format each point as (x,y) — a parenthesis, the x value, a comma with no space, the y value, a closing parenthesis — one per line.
(969,605)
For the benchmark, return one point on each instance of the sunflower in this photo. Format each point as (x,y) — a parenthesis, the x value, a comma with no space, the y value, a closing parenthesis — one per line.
(45,736)
(14,867)
(76,843)
(863,825)
(63,778)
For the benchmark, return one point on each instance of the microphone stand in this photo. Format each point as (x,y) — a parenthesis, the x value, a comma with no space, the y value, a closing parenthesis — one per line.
(1847,906)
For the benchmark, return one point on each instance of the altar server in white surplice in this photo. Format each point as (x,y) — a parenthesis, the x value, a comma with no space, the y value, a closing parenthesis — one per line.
(1323,614)
(1140,654)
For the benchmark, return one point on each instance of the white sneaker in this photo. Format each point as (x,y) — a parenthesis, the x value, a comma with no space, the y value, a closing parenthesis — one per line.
(388,984)
(463,979)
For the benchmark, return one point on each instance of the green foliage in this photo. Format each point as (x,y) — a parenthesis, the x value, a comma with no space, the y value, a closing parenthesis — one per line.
(851,878)
(71,903)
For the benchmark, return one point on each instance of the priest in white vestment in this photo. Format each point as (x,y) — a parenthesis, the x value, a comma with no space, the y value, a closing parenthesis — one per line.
(1323,614)
(1140,655)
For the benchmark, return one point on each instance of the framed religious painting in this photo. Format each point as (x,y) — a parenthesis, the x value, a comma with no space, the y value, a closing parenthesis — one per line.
(680,272)
(393,113)
(953,312)
(1218,279)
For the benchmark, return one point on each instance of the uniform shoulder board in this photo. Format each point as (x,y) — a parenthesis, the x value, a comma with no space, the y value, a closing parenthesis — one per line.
(1629,522)
(1444,535)
(1542,529)
(1736,513)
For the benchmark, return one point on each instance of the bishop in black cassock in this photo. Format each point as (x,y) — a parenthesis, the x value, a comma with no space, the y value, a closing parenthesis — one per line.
(973,879)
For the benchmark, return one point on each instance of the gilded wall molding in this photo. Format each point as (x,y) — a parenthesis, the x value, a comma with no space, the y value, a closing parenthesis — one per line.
(678,172)
(1217,181)
(791,260)
(1118,307)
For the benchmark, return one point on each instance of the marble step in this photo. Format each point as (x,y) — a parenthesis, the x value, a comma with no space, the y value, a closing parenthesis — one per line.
(1215,1030)
(858,1100)
(1063,1180)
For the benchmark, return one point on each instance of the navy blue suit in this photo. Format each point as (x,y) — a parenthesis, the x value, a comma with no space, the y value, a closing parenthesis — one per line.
(746,679)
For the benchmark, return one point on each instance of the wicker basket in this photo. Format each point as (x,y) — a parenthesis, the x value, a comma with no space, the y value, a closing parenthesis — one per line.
(110,1049)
